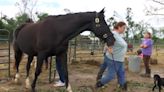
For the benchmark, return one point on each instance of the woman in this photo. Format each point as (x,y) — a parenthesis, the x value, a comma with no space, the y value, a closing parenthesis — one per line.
(61,81)
(116,52)
(146,46)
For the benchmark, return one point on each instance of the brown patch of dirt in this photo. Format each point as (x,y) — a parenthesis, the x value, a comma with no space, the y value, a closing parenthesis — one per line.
(82,76)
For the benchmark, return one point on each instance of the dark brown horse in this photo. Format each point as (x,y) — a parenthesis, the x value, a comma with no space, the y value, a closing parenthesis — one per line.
(30,57)
(51,36)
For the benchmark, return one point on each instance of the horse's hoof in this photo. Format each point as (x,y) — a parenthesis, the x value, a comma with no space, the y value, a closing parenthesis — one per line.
(27,83)
(16,80)
(69,89)
(27,86)
(33,90)
(17,76)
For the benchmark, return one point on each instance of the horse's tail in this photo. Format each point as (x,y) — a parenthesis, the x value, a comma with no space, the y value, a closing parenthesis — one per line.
(18,55)
(17,51)
(15,35)
(18,29)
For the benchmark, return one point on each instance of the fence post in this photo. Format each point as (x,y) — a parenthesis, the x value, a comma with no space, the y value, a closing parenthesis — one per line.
(74,55)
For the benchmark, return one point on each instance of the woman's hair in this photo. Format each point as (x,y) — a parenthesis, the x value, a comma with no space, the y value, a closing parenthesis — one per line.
(150,36)
(119,24)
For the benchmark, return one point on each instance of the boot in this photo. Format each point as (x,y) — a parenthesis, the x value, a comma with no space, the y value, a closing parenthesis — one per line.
(147,74)
(124,87)
(99,84)
(100,73)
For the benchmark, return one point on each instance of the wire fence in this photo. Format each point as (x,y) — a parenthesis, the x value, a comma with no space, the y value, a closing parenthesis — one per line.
(83,49)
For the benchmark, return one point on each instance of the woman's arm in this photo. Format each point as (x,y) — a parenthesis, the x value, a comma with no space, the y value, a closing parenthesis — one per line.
(143,46)
(110,49)
(147,44)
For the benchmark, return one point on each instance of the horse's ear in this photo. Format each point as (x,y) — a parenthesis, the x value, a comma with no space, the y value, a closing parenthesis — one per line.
(103,10)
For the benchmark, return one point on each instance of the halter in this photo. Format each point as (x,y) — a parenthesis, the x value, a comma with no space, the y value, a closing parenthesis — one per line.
(97,22)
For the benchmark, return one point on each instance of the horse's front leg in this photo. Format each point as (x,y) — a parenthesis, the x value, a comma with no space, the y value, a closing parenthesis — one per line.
(63,58)
(40,58)
(30,58)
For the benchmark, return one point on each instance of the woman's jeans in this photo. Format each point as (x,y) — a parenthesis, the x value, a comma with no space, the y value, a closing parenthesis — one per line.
(59,70)
(113,68)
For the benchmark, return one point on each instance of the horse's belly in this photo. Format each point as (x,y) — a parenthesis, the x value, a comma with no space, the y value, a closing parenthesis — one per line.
(26,44)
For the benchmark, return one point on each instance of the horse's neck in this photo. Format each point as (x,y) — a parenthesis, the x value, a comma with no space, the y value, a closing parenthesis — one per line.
(81,24)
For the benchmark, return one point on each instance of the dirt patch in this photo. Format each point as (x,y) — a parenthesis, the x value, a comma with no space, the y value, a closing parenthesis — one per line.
(82,75)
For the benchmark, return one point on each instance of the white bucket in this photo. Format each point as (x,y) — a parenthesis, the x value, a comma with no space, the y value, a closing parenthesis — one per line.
(134,63)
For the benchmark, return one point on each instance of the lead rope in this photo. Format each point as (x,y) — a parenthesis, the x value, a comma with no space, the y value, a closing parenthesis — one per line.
(114,65)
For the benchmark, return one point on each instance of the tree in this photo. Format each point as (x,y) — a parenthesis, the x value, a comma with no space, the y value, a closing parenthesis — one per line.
(162,32)
(41,16)
(131,23)
(111,22)
(21,18)
(2,26)
(26,7)
(155,10)
(10,24)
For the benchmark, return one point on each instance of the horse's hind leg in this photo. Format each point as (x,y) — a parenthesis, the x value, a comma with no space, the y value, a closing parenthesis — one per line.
(18,57)
(40,58)
(30,58)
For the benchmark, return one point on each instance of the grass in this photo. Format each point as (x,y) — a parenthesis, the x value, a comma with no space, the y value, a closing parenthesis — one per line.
(134,84)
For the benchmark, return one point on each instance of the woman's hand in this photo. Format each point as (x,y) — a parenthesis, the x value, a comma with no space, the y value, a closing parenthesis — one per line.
(110,49)
(143,46)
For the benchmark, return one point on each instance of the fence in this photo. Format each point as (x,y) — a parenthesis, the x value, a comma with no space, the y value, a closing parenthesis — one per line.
(83,49)
(5,51)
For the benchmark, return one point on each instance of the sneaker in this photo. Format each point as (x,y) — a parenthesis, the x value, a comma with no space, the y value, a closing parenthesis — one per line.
(59,84)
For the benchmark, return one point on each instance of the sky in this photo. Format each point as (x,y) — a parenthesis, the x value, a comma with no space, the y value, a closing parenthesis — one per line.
(56,7)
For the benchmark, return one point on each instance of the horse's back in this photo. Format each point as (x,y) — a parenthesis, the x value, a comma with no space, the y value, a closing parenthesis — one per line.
(36,37)
(47,35)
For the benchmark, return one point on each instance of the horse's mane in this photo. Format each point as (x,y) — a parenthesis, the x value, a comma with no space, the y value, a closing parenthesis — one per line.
(69,15)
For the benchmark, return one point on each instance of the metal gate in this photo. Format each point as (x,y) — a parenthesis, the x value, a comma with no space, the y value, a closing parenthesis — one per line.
(4,53)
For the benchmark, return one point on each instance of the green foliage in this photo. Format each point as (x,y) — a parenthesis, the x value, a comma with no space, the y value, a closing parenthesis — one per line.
(21,18)
(2,26)
(10,24)
(41,16)
(111,21)
(155,38)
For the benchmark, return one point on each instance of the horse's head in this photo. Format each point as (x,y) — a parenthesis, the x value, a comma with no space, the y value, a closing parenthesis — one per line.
(101,29)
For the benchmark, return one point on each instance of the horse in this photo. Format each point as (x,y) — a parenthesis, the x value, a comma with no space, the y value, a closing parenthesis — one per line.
(30,57)
(50,37)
